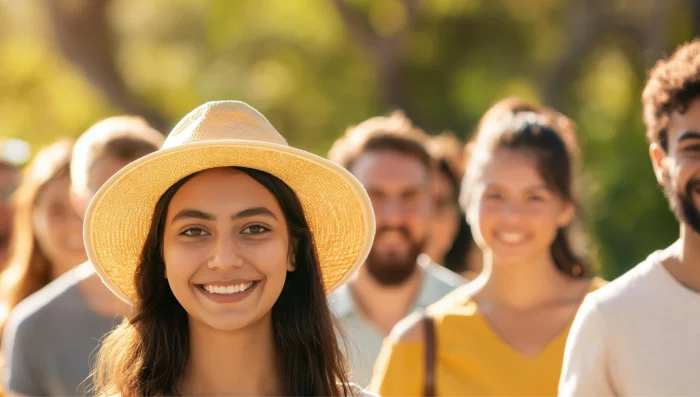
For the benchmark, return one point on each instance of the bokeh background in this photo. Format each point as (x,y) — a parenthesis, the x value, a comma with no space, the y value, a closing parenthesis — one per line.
(316,66)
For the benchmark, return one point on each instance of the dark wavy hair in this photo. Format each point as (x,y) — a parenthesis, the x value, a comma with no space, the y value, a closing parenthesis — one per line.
(551,138)
(146,354)
(673,83)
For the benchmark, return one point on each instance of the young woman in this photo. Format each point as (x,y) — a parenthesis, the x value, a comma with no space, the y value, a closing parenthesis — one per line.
(504,333)
(451,243)
(47,234)
(225,242)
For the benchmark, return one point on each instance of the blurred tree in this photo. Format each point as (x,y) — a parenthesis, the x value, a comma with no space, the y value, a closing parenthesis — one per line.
(316,66)
(82,32)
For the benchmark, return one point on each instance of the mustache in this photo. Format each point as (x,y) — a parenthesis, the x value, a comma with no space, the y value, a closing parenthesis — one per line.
(400,229)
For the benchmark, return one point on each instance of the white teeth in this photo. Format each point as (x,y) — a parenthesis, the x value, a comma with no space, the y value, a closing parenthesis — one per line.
(512,237)
(227,290)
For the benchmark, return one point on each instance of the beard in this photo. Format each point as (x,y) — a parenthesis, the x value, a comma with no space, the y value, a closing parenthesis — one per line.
(390,270)
(681,203)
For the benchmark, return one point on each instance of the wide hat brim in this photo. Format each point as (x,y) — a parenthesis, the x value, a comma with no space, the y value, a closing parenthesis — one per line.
(336,206)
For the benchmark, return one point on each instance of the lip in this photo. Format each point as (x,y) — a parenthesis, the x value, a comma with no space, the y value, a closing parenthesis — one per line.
(500,238)
(220,298)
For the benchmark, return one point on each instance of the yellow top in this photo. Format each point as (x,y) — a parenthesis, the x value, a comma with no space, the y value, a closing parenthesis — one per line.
(472,360)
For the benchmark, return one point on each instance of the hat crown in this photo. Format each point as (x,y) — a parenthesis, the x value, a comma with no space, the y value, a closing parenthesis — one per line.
(221,120)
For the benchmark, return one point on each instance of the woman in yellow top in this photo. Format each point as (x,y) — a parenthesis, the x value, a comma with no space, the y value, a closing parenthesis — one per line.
(504,333)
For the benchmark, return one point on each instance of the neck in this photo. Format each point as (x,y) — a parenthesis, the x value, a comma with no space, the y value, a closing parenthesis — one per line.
(243,362)
(523,284)
(100,299)
(683,258)
(385,305)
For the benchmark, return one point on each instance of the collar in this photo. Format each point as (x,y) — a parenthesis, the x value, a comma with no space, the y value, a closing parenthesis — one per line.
(342,303)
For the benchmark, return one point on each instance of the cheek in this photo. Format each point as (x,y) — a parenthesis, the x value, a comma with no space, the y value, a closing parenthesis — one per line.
(182,262)
(684,172)
(43,228)
(486,216)
(270,258)
(545,223)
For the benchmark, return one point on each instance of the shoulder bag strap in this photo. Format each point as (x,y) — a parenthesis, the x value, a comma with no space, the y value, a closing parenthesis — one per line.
(430,348)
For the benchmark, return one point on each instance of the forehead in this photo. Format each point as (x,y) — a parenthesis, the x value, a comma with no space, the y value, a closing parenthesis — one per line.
(511,169)
(386,166)
(222,189)
(679,123)
(102,169)
(55,189)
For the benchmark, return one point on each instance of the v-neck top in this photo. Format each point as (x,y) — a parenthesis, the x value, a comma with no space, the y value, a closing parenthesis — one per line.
(471,358)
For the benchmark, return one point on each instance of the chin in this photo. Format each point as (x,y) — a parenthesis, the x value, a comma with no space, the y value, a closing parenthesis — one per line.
(228,323)
(513,255)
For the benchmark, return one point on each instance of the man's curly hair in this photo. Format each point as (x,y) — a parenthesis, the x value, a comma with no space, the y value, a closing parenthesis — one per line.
(394,133)
(673,83)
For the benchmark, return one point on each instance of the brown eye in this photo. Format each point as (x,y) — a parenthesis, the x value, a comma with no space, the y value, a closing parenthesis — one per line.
(194,232)
(255,229)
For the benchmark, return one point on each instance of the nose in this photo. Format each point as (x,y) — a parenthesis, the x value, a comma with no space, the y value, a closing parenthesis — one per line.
(512,210)
(225,256)
(391,213)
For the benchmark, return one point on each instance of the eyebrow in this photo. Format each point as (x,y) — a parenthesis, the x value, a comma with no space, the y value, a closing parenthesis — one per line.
(529,189)
(190,213)
(540,187)
(197,214)
(253,212)
(689,135)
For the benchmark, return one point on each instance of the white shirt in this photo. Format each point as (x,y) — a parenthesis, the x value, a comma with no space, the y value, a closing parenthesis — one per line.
(364,338)
(637,336)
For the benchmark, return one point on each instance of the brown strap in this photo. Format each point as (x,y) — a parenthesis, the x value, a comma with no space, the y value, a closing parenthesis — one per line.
(430,347)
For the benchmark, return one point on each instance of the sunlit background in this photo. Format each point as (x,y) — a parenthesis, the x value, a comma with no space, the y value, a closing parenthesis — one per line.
(316,66)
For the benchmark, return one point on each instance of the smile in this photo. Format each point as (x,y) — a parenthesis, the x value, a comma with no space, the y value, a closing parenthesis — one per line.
(511,238)
(227,289)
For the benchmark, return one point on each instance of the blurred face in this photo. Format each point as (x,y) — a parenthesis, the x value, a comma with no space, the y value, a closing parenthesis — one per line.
(678,170)
(100,171)
(57,227)
(517,215)
(8,184)
(399,189)
(226,249)
(445,219)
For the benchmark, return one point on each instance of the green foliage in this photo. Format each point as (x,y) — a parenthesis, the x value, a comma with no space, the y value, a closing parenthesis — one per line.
(298,63)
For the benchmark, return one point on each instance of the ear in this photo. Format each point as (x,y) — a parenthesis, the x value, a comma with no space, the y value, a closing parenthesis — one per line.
(657,155)
(567,215)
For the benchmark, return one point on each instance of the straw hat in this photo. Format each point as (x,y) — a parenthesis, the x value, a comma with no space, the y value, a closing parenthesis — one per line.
(223,134)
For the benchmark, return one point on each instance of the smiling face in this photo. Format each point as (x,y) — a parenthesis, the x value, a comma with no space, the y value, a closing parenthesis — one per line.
(226,249)
(517,215)
(57,227)
(678,168)
(398,186)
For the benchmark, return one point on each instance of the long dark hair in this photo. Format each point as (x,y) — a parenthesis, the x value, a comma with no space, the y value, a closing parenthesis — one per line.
(551,137)
(147,353)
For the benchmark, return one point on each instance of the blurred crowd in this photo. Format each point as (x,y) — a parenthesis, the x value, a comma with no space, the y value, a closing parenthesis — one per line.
(480,280)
